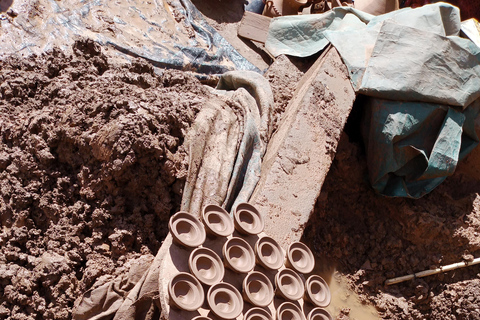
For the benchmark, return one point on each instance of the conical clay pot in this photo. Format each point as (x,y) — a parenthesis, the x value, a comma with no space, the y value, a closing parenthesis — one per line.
(206,266)
(186,292)
(257,289)
(257,313)
(217,221)
(248,221)
(289,311)
(186,230)
(238,255)
(319,314)
(317,291)
(269,253)
(289,285)
(300,258)
(225,301)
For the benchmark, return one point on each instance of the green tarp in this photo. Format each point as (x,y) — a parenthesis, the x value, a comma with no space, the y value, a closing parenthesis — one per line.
(422,79)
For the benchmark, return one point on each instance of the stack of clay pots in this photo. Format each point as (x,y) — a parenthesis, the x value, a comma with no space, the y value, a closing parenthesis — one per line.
(243,269)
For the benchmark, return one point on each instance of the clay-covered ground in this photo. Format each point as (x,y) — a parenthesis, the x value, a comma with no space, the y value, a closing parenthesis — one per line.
(92,166)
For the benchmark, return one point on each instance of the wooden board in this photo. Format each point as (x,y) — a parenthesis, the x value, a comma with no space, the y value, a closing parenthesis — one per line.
(254,27)
(300,153)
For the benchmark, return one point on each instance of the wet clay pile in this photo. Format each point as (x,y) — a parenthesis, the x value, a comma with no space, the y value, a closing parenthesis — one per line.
(372,238)
(91,168)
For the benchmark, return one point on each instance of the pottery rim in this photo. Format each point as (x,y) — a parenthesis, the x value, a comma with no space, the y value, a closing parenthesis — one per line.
(317,291)
(258,289)
(217,221)
(300,258)
(247,219)
(225,300)
(319,314)
(289,284)
(238,255)
(206,266)
(186,292)
(269,253)
(294,312)
(186,229)
(257,313)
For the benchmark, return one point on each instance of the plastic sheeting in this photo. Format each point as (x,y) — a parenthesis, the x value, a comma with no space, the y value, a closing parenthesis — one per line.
(423,80)
(412,147)
(169,34)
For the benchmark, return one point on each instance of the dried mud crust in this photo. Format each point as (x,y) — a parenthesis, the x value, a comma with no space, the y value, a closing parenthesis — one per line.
(91,167)
(371,238)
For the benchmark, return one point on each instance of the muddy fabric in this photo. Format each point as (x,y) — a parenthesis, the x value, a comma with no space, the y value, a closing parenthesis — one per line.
(227,142)
(170,34)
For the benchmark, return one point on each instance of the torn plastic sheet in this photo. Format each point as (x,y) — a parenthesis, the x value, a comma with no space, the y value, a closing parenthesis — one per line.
(169,34)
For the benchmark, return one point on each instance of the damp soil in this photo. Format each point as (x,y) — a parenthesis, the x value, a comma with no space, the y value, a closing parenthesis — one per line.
(367,238)
(91,167)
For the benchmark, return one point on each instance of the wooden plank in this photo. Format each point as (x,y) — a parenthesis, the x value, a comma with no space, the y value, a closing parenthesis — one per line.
(254,27)
(300,153)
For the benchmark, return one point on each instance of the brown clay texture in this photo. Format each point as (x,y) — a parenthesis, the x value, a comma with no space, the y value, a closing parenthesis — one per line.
(89,152)
(372,238)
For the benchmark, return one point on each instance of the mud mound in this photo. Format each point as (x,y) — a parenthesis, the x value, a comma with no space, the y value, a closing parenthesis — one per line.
(91,167)
(372,238)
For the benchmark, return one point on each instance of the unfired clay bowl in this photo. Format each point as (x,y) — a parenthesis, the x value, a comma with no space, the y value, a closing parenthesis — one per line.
(257,289)
(186,230)
(206,266)
(319,314)
(238,255)
(225,301)
(317,291)
(248,220)
(289,311)
(300,258)
(289,284)
(217,221)
(269,253)
(186,292)
(257,313)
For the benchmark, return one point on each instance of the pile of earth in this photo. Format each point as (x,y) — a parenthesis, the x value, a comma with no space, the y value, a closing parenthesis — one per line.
(92,165)
(91,168)
(372,238)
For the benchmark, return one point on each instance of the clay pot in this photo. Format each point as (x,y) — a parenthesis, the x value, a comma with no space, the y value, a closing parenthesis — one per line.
(257,289)
(317,291)
(248,220)
(217,221)
(238,255)
(319,314)
(206,266)
(289,311)
(225,301)
(300,258)
(256,313)
(269,253)
(289,285)
(186,292)
(186,230)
